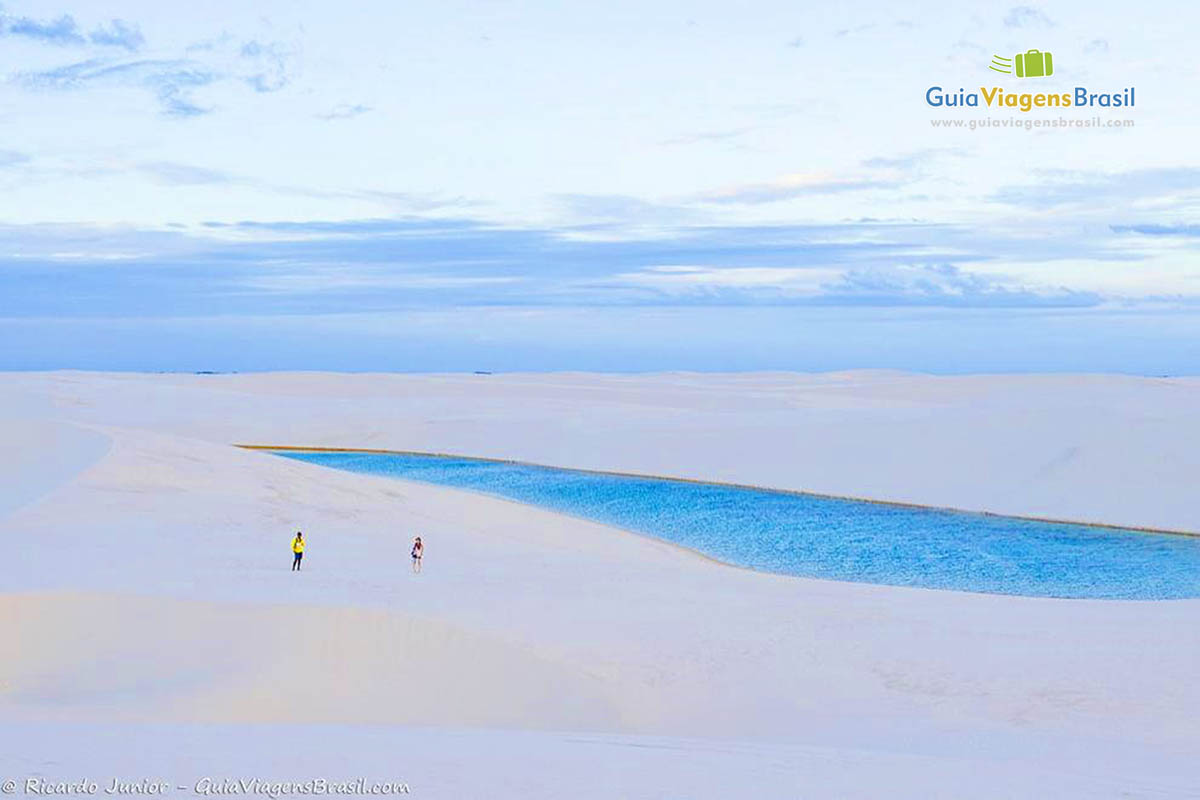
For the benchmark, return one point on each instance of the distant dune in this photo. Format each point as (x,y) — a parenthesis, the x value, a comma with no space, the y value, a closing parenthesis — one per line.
(1114,449)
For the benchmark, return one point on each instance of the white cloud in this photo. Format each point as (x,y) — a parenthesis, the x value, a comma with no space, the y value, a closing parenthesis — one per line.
(793,280)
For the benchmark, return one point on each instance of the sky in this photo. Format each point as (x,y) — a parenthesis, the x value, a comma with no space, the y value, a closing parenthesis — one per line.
(624,186)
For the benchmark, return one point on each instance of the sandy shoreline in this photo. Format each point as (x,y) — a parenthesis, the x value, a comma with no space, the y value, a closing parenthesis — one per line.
(798,492)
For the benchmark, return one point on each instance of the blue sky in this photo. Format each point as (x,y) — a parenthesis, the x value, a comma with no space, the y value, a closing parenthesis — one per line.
(269,185)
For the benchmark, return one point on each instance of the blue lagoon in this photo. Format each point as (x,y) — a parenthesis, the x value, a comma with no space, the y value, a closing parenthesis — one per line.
(814,536)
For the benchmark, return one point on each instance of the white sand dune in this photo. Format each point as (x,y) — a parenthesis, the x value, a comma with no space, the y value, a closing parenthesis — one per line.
(1116,449)
(100,657)
(147,592)
(39,455)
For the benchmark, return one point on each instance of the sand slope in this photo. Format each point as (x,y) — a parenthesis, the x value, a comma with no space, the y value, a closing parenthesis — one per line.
(37,455)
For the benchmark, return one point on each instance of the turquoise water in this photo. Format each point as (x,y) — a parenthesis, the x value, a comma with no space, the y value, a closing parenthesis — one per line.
(821,537)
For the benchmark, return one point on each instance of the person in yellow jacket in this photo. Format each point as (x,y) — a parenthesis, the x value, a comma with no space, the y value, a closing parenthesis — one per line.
(298,550)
